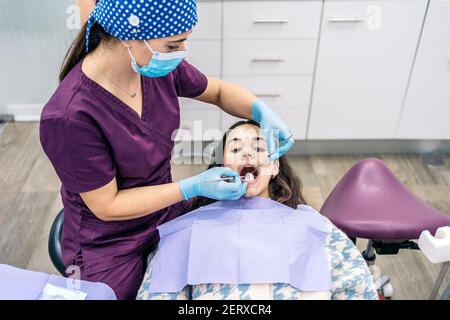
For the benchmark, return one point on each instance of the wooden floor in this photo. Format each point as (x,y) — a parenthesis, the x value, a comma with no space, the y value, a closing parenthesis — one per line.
(29,200)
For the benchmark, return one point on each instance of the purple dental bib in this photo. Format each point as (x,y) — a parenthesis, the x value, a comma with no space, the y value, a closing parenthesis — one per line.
(250,240)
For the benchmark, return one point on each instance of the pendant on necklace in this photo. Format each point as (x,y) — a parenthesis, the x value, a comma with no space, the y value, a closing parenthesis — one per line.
(133,95)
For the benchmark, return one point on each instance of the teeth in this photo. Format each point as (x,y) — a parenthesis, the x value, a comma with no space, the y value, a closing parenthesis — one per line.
(249,177)
(248,173)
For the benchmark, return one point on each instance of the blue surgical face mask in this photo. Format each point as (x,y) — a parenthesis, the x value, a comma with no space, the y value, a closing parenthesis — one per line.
(161,63)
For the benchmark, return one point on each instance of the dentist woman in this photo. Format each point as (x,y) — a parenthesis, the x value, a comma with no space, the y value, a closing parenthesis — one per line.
(107,131)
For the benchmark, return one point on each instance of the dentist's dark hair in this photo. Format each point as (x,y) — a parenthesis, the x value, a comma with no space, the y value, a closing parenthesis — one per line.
(285,187)
(77,50)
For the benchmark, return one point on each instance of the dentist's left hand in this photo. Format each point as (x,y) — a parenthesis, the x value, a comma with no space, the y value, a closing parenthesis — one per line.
(219,190)
(272,127)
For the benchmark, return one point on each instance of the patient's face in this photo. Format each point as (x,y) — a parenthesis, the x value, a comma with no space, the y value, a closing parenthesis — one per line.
(245,148)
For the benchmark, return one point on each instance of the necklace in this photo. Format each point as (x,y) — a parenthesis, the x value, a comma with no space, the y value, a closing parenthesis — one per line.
(131,94)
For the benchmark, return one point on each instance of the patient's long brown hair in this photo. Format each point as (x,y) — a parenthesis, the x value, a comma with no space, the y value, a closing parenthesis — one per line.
(285,187)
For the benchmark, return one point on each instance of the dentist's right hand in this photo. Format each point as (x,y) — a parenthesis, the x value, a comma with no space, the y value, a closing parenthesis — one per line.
(219,190)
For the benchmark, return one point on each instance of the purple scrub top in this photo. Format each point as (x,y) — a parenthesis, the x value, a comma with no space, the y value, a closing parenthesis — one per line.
(90,137)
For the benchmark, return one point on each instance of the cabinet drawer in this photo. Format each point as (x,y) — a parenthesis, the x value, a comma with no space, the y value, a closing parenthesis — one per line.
(276,57)
(272,19)
(205,56)
(209,26)
(279,92)
(296,119)
(199,124)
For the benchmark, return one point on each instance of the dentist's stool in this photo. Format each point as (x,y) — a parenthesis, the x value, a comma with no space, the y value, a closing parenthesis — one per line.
(370,202)
(54,243)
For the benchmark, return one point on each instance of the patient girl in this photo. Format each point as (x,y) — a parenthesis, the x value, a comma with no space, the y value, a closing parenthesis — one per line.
(266,245)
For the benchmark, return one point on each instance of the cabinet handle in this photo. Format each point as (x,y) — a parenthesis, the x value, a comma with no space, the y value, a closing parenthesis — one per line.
(345,19)
(267,59)
(267,94)
(270,21)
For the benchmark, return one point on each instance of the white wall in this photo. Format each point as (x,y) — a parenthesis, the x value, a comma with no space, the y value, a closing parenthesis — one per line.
(34,37)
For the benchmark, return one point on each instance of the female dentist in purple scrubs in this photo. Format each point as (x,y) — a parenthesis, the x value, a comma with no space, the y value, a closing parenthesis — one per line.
(107,131)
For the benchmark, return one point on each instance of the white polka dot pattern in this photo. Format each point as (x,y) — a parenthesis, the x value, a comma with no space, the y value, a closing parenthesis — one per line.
(143,19)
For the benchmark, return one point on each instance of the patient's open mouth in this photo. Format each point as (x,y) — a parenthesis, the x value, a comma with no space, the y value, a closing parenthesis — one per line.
(248,172)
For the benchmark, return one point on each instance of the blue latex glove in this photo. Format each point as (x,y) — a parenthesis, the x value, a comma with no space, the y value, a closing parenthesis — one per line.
(272,128)
(220,190)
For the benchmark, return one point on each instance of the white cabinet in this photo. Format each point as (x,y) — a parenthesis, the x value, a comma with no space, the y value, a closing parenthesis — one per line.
(205,53)
(426,113)
(295,118)
(209,25)
(199,124)
(205,42)
(268,57)
(199,50)
(356,57)
(289,96)
(280,92)
(270,48)
(365,57)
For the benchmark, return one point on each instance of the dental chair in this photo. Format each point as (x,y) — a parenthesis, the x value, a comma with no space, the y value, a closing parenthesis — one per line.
(54,243)
(369,202)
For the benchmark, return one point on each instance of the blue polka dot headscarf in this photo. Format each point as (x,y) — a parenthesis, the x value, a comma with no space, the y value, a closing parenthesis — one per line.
(143,19)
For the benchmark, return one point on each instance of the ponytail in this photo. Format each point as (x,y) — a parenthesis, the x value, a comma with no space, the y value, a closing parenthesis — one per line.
(77,50)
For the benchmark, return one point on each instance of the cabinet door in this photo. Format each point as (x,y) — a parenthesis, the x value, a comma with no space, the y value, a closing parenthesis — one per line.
(209,25)
(365,57)
(199,119)
(295,119)
(271,19)
(288,96)
(205,55)
(426,113)
(199,125)
(205,42)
